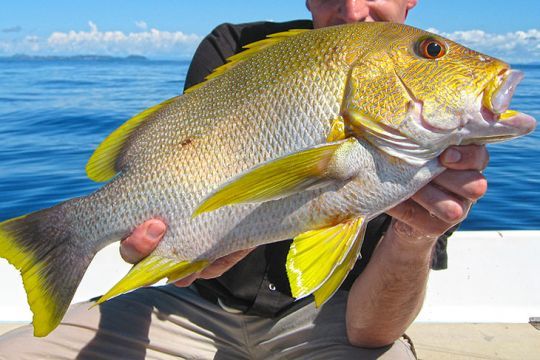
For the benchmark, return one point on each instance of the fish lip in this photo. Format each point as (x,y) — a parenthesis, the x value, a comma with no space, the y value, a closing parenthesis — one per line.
(518,120)
(500,99)
(522,122)
(493,129)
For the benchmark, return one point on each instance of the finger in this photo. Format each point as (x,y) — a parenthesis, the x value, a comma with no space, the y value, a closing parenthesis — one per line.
(221,265)
(142,241)
(468,184)
(414,215)
(441,204)
(466,157)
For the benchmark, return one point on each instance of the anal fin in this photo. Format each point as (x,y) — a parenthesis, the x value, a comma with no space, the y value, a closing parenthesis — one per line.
(149,271)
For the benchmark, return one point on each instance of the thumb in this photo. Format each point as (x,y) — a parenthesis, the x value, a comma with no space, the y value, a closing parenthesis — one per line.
(142,241)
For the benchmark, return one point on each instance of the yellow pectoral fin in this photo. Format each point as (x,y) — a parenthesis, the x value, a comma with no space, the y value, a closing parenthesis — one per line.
(337,131)
(316,256)
(149,271)
(290,174)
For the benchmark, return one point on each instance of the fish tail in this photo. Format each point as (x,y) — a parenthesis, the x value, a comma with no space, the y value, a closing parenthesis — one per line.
(52,260)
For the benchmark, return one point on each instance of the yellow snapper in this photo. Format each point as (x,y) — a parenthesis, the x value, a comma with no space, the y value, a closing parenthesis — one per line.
(305,135)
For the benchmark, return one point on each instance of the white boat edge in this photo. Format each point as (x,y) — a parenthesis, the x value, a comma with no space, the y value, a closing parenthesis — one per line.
(491,278)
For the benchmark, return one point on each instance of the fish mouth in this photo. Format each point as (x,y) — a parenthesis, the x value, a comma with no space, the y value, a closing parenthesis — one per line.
(498,122)
(496,109)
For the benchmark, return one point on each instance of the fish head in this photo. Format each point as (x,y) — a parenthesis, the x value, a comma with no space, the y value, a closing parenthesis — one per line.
(417,93)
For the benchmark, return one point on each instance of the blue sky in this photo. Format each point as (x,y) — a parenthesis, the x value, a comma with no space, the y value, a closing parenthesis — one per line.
(172,28)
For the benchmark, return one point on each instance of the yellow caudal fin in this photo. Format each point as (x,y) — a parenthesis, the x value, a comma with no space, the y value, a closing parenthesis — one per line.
(250,50)
(149,271)
(102,165)
(317,258)
(52,258)
(275,179)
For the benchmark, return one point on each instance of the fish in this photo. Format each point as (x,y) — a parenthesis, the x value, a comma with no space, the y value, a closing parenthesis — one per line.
(307,134)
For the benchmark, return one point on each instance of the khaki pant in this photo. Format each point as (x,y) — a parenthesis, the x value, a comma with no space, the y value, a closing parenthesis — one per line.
(169,322)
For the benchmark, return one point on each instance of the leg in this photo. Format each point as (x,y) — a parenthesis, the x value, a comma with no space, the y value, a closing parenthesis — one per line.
(310,333)
(160,323)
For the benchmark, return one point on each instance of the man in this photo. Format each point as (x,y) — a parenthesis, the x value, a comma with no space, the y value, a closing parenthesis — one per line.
(417,222)
(247,312)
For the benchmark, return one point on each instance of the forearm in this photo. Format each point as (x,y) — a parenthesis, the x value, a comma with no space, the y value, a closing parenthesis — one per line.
(388,295)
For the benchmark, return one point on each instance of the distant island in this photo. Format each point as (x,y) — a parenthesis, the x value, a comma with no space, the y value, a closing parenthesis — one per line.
(74,57)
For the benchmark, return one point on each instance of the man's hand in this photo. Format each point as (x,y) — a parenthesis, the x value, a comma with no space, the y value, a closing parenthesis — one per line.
(388,295)
(144,239)
(447,199)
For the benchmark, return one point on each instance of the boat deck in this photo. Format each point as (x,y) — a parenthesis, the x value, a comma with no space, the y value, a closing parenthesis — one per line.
(460,341)
(475,341)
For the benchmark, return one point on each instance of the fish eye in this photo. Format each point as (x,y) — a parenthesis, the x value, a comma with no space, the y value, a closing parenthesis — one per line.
(431,48)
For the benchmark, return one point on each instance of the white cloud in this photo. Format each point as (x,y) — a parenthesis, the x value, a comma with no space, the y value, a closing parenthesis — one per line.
(25,45)
(518,46)
(151,42)
(141,25)
(32,42)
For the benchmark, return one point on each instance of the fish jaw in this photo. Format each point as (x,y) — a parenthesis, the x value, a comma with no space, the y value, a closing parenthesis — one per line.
(494,122)
(487,120)
(485,128)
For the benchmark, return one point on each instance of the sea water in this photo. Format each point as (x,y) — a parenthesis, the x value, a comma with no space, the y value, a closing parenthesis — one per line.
(54,113)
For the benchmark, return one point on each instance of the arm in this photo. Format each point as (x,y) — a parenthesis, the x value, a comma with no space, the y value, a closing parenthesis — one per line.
(388,295)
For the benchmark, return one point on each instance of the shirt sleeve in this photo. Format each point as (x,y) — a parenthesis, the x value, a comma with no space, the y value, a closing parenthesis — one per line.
(211,53)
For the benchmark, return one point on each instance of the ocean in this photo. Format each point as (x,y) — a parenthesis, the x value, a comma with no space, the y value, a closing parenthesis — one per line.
(54,113)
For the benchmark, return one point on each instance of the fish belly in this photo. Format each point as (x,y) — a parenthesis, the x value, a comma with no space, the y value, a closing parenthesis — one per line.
(383,184)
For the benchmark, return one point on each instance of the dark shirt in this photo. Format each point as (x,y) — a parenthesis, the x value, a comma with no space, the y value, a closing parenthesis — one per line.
(258,284)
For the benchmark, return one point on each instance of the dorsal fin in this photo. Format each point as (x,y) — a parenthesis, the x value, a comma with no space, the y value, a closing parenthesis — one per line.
(101,165)
(251,49)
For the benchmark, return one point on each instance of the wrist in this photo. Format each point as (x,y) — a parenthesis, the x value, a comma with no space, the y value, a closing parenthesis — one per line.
(407,244)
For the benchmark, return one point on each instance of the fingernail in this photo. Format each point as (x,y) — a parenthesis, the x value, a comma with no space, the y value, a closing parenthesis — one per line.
(155,231)
(452,156)
(129,254)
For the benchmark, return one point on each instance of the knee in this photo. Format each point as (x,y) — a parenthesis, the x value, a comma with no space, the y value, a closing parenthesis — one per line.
(17,342)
